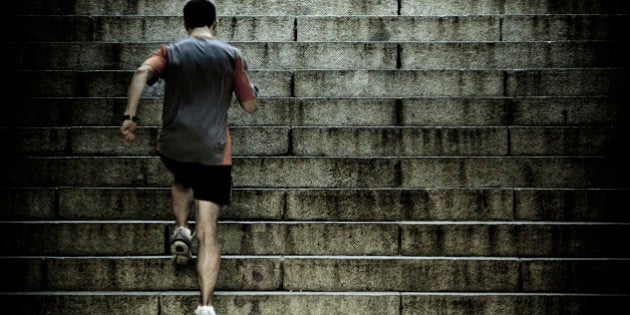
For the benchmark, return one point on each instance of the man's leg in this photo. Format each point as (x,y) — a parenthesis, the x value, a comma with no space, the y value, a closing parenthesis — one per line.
(208,258)
(182,201)
(182,236)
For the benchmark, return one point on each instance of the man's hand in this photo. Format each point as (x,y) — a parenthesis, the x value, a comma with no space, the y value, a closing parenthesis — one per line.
(127,129)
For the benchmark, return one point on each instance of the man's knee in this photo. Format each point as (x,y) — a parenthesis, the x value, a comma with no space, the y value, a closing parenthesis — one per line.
(206,220)
(207,239)
(206,230)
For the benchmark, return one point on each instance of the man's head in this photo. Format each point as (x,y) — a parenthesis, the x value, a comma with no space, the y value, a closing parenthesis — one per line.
(199,13)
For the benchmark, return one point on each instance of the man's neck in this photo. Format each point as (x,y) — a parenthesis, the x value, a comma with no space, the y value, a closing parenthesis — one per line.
(200,32)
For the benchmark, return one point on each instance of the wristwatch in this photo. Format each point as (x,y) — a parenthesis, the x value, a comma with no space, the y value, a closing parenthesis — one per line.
(132,118)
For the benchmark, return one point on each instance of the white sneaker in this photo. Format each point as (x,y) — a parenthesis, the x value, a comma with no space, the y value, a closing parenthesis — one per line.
(205,310)
(181,245)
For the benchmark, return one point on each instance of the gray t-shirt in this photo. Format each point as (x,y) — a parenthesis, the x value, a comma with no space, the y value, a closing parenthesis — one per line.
(201,74)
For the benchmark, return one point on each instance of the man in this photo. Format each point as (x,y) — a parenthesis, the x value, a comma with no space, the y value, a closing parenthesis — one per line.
(201,73)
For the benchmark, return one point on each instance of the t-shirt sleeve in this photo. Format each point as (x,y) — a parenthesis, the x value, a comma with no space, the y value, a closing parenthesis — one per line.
(242,87)
(158,61)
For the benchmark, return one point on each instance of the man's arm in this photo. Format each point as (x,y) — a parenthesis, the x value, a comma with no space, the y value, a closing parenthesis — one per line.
(246,92)
(138,82)
(251,106)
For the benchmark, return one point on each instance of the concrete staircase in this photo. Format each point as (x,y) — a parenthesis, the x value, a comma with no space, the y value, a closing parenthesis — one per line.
(409,157)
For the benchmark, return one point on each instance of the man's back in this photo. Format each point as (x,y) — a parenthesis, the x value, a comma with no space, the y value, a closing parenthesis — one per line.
(201,74)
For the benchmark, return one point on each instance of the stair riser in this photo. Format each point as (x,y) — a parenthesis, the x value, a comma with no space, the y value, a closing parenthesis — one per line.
(291,55)
(326,239)
(540,305)
(155,28)
(383,142)
(332,173)
(239,7)
(319,304)
(377,275)
(544,111)
(318,142)
(462,28)
(136,274)
(455,275)
(356,83)
(319,28)
(327,7)
(75,142)
(329,205)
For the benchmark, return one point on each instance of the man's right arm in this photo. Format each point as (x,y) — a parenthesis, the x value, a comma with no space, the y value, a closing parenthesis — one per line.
(148,73)
(139,80)
(250,106)
(246,92)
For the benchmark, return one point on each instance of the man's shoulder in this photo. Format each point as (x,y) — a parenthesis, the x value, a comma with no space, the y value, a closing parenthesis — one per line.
(182,41)
(215,42)
(222,43)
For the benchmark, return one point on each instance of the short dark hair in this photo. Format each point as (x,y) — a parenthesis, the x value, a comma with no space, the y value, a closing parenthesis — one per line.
(199,13)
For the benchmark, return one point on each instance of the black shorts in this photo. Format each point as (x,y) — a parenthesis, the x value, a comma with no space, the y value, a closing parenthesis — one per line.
(208,182)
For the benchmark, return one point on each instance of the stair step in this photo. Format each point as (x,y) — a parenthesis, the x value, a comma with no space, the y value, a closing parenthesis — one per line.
(595,205)
(327,7)
(459,83)
(431,274)
(320,141)
(462,28)
(512,55)
(568,141)
(382,141)
(239,302)
(116,83)
(242,7)
(127,204)
(325,273)
(79,303)
(259,55)
(67,28)
(338,55)
(350,83)
(496,239)
(107,141)
(509,304)
(121,239)
(327,28)
(279,172)
(421,111)
(135,273)
(337,141)
(563,27)
(457,7)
